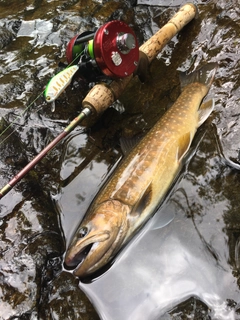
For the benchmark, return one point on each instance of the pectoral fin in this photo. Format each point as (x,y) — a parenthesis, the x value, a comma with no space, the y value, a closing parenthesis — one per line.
(183,145)
(143,202)
(204,111)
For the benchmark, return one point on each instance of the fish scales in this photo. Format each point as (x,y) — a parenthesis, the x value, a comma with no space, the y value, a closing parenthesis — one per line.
(138,170)
(140,182)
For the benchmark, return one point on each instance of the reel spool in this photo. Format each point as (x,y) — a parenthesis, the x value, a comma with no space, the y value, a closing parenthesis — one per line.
(110,52)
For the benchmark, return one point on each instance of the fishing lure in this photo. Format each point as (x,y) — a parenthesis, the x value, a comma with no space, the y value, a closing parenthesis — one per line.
(58,84)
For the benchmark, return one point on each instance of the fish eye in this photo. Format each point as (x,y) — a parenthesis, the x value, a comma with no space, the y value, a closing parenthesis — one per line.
(48,98)
(83,232)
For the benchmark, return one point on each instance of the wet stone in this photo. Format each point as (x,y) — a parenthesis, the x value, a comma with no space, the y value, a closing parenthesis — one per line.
(6,37)
(27,241)
(190,309)
(63,299)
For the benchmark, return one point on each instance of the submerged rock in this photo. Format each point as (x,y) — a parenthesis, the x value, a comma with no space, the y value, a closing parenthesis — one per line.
(29,236)
(65,300)
(6,37)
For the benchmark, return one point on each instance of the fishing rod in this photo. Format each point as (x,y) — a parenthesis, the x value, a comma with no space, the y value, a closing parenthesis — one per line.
(110,54)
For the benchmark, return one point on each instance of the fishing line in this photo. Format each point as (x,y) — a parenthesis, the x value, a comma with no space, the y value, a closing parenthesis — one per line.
(18,117)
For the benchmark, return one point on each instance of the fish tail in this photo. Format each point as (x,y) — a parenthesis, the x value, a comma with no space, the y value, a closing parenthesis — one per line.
(204,75)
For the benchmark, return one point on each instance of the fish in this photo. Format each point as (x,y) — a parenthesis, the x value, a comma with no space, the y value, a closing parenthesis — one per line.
(139,183)
(59,83)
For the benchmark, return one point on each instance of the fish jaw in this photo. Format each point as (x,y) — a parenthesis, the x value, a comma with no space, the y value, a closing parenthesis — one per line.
(97,240)
(86,253)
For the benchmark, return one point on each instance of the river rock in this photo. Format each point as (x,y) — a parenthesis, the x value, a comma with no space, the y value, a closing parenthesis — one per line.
(6,37)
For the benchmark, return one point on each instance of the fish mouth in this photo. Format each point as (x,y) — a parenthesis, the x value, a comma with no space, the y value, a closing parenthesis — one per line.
(78,258)
(89,253)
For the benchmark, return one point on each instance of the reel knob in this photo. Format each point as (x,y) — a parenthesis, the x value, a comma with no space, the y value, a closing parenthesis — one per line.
(126,42)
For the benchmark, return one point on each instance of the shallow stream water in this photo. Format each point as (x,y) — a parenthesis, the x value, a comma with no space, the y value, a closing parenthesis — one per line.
(185,263)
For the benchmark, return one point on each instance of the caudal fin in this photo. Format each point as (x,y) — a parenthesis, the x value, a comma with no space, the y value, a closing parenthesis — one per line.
(204,75)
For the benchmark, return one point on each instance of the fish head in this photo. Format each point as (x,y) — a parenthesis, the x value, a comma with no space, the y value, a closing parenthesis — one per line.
(98,238)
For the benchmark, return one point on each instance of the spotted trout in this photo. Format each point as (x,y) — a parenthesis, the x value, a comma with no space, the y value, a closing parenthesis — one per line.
(140,182)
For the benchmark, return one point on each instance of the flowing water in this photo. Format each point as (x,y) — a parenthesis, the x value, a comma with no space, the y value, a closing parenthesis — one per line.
(184,264)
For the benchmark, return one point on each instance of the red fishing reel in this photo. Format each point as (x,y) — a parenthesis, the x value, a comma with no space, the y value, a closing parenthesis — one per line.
(112,51)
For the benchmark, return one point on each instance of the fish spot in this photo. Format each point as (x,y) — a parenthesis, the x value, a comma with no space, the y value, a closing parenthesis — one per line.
(139,172)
